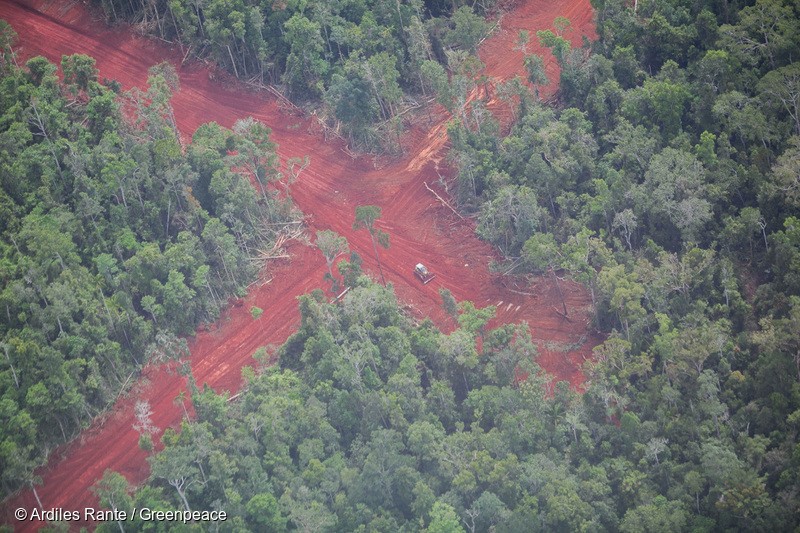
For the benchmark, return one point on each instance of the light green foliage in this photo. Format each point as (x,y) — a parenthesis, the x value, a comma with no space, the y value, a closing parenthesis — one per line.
(353,436)
(666,184)
(661,515)
(146,442)
(534,66)
(743,119)
(468,29)
(781,88)
(624,295)
(358,59)
(473,320)
(668,101)
(366,216)
(176,466)
(356,436)
(675,189)
(558,44)
(380,72)
(436,77)
(614,365)
(332,245)
(786,172)
(113,491)
(256,153)
(664,181)
(264,512)
(444,519)
(540,252)
(510,218)
(8,38)
(107,252)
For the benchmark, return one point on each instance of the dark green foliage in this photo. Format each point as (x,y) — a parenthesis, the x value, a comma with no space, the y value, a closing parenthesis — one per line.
(666,181)
(385,422)
(353,436)
(359,58)
(106,254)
(372,422)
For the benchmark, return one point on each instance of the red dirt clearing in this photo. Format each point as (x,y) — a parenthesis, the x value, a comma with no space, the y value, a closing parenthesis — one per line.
(328,191)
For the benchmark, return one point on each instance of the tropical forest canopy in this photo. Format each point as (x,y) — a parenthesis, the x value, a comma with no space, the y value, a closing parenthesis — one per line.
(666,180)
(359,59)
(114,240)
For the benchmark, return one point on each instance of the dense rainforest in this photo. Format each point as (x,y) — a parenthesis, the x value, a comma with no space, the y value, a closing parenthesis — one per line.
(362,62)
(115,240)
(666,179)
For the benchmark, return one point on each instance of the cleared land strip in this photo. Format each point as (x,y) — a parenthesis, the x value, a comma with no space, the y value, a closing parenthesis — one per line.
(420,228)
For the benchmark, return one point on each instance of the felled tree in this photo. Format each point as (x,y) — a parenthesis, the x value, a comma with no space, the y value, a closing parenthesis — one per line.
(366,215)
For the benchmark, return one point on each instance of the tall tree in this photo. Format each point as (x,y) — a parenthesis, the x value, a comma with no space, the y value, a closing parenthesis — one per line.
(332,245)
(113,491)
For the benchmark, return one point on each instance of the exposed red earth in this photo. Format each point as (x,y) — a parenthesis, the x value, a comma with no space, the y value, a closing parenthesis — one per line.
(328,192)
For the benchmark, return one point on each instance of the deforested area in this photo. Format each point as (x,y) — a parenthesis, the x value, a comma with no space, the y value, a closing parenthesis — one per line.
(362,64)
(619,351)
(116,241)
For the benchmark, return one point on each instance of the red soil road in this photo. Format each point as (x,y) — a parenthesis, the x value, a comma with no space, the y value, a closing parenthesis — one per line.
(328,191)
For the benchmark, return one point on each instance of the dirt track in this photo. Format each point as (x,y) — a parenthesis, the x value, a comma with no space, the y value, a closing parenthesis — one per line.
(329,190)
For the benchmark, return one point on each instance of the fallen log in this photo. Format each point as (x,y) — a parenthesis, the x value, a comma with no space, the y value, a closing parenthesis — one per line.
(562,315)
(443,201)
(523,293)
(186,56)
